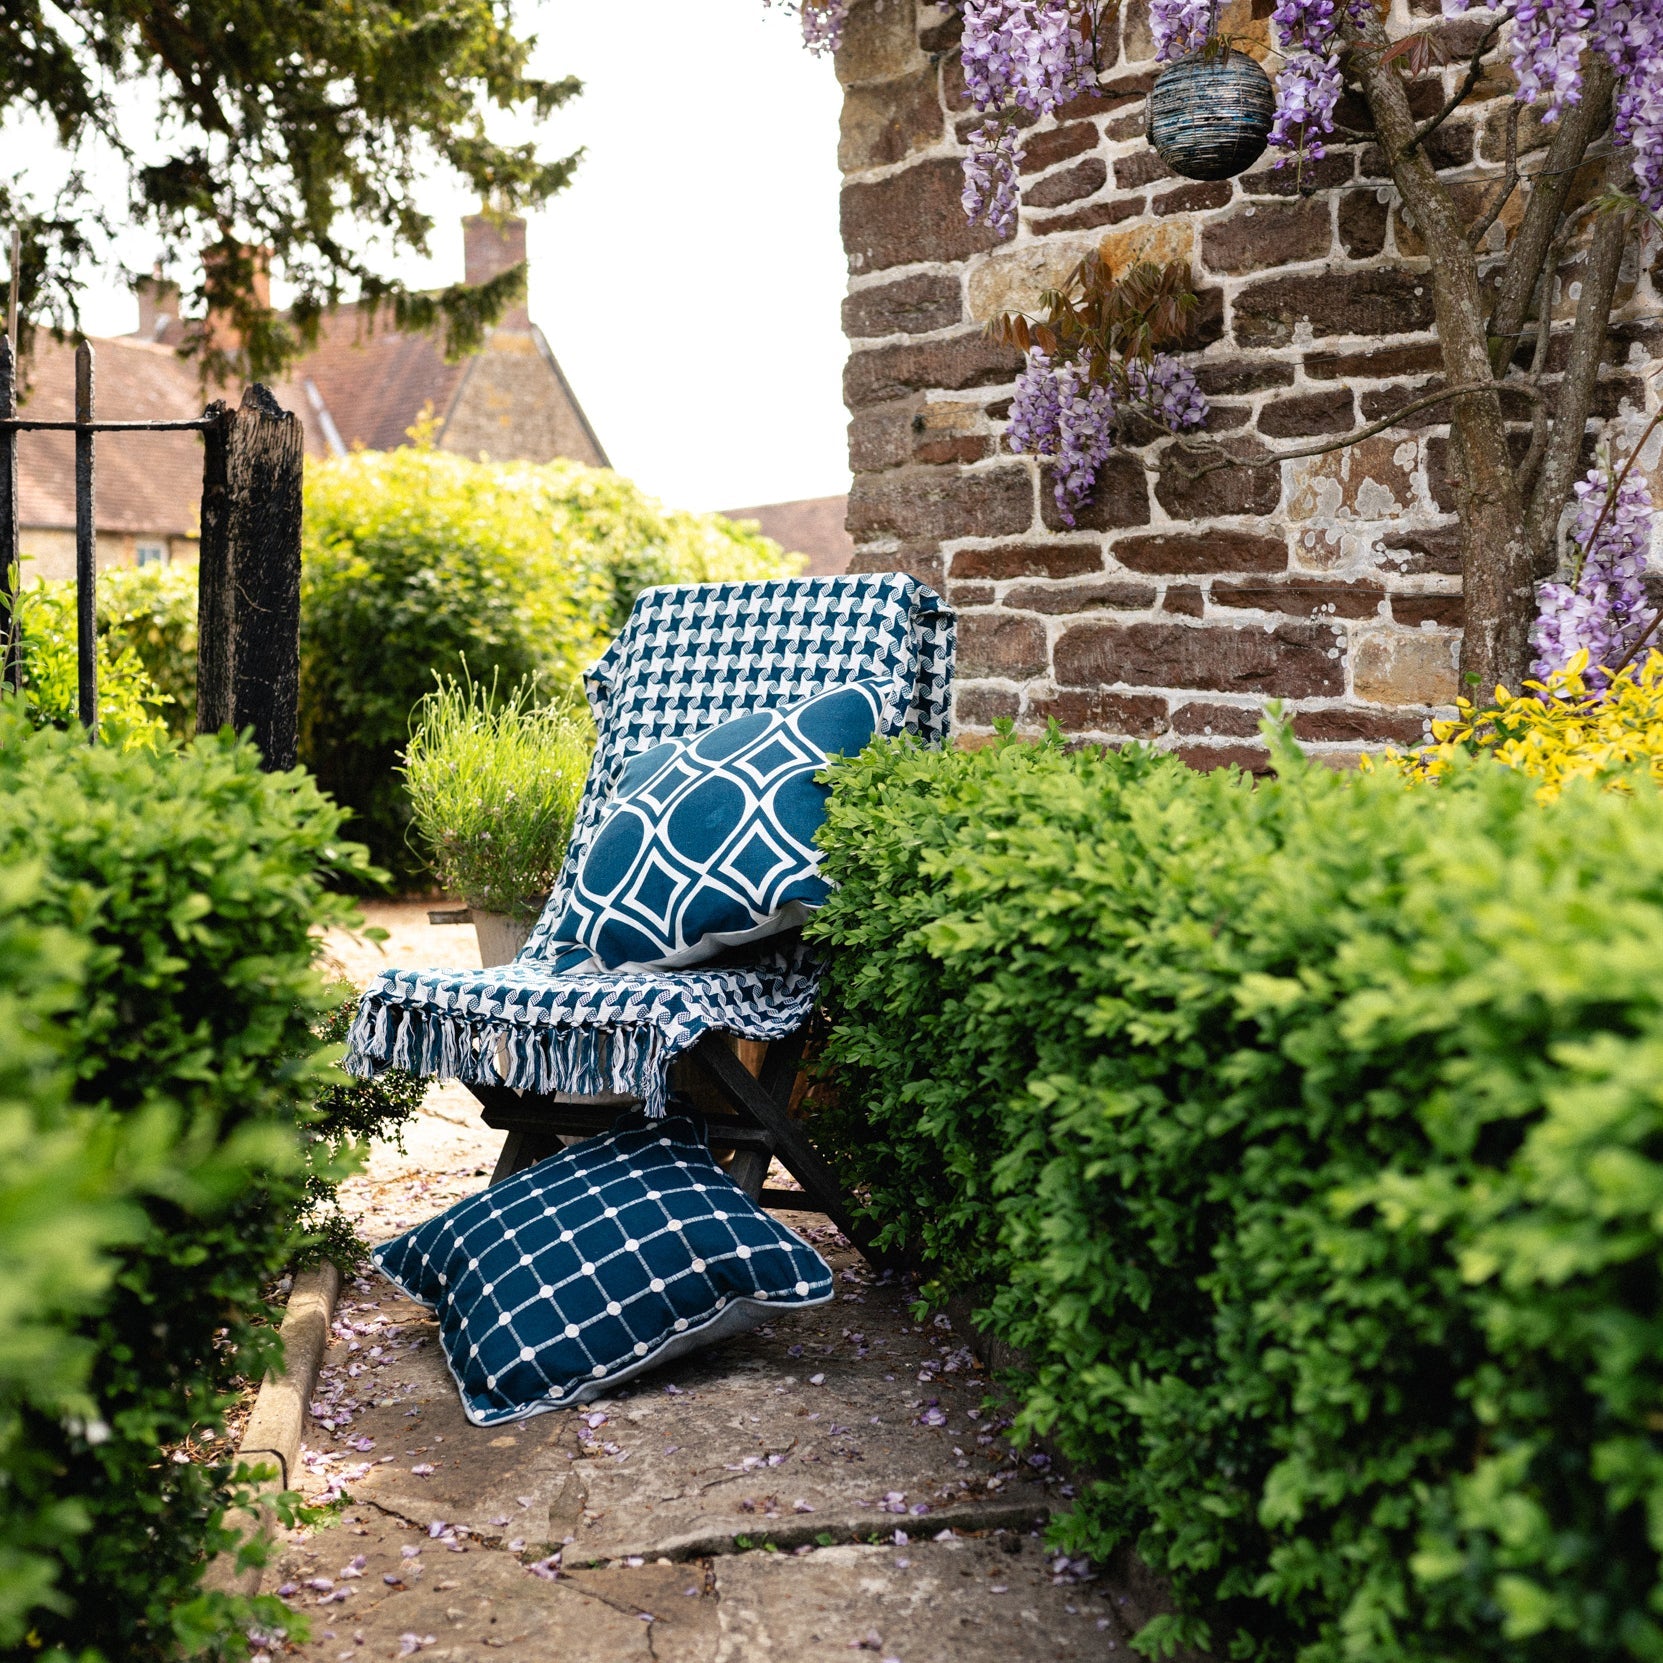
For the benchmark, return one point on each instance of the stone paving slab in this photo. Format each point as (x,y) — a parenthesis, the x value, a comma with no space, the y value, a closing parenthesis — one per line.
(807,1425)
(375,1589)
(833,1484)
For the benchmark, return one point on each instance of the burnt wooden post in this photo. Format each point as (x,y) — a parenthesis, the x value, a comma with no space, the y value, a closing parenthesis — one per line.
(86,544)
(11,662)
(248,596)
(213,575)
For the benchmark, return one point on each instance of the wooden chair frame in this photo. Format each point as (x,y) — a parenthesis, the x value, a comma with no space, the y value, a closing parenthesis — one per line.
(752,1119)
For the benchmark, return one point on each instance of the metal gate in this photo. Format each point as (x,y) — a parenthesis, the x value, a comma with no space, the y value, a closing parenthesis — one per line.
(248,578)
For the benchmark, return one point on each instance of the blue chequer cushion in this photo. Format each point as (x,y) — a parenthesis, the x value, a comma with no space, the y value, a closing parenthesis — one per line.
(709,840)
(611,1257)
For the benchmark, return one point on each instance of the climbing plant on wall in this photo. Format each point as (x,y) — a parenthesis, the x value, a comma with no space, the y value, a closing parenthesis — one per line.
(1580,194)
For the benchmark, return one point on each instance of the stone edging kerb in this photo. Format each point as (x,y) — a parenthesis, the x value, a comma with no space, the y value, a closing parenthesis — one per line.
(274,1428)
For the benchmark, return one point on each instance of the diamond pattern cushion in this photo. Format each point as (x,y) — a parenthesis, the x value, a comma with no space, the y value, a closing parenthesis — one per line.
(611,1257)
(709,840)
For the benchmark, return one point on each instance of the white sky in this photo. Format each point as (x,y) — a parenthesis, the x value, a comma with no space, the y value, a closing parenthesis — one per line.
(690,277)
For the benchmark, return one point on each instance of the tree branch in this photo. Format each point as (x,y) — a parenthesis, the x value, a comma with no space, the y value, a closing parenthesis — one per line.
(1495,552)
(1575,398)
(1222,458)
(1538,362)
(1474,70)
(1550,190)
(1510,180)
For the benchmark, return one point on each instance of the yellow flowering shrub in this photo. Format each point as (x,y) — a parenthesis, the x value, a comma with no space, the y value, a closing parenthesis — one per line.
(1558,730)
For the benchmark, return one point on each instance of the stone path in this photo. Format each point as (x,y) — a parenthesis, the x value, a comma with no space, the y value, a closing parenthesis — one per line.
(832,1482)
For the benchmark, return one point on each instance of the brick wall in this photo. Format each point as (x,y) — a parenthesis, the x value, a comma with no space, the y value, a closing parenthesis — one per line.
(1176,607)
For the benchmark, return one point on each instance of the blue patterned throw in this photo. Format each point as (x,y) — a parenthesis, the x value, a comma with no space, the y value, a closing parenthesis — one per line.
(709,841)
(614,1256)
(689,657)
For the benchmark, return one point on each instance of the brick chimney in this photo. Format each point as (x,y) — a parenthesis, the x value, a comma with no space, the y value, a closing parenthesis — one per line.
(491,244)
(222,332)
(158,308)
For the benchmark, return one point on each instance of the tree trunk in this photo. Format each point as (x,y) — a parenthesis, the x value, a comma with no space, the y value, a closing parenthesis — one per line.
(1497,578)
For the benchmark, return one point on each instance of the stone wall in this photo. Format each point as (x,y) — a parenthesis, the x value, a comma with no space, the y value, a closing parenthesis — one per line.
(1177,606)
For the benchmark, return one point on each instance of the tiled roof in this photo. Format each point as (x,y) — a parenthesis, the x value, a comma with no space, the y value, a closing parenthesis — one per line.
(813,527)
(373,382)
(361,386)
(146,482)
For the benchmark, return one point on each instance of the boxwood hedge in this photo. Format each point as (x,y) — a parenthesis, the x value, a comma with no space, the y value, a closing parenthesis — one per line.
(157,1069)
(1307,1139)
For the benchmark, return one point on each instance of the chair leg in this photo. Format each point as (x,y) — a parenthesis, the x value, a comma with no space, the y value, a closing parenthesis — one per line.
(748,1169)
(796,1153)
(523,1149)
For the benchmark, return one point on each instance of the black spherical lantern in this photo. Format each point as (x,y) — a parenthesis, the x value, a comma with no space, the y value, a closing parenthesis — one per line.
(1210,114)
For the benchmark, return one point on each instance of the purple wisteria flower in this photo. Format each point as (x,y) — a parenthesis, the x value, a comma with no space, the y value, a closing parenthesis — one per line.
(1630,34)
(1308,88)
(1549,38)
(1017,54)
(1059,411)
(1085,437)
(991,192)
(823,22)
(1036,408)
(1167,388)
(1029,53)
(1179,26)
(1602,608)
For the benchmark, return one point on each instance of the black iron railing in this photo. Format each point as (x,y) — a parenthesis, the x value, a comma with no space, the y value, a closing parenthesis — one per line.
(85,427)
(248,582)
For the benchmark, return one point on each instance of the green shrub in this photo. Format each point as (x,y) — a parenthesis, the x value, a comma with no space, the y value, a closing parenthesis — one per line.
(1307,1140)
(60,1209)
(349,1115)
(608,522)
(188,884)
(130,704)
(494,786)
(152,611)
(419,564)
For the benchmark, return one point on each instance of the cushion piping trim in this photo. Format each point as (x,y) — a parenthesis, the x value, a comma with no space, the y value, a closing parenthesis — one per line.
(612,1378)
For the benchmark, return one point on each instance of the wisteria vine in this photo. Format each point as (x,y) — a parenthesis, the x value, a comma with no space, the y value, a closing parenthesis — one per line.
(1030,56)
(1602,607)
(823,23)
(1061,411)
(1019,55)
(1027,58)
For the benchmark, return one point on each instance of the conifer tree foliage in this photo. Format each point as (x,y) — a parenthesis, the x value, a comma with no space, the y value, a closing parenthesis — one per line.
(287,129)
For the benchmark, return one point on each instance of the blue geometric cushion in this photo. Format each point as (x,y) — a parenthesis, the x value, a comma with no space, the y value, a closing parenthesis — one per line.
(709,841)
(611,1257)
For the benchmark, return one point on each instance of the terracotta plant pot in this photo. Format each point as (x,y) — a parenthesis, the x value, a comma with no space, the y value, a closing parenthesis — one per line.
(500,937)
(1211,113)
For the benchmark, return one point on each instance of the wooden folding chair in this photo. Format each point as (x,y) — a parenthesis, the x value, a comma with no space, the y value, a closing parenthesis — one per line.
(553,1049)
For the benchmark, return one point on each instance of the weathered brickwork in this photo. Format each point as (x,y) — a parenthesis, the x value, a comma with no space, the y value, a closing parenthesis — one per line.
(1177,605)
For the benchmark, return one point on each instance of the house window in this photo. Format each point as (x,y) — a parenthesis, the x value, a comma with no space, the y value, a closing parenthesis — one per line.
(151,554)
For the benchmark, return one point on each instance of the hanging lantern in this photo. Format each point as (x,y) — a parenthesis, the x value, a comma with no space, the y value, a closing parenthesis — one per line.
(1210,113)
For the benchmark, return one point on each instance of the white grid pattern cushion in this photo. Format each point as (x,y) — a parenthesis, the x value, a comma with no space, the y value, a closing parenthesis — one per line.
(611,1257)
